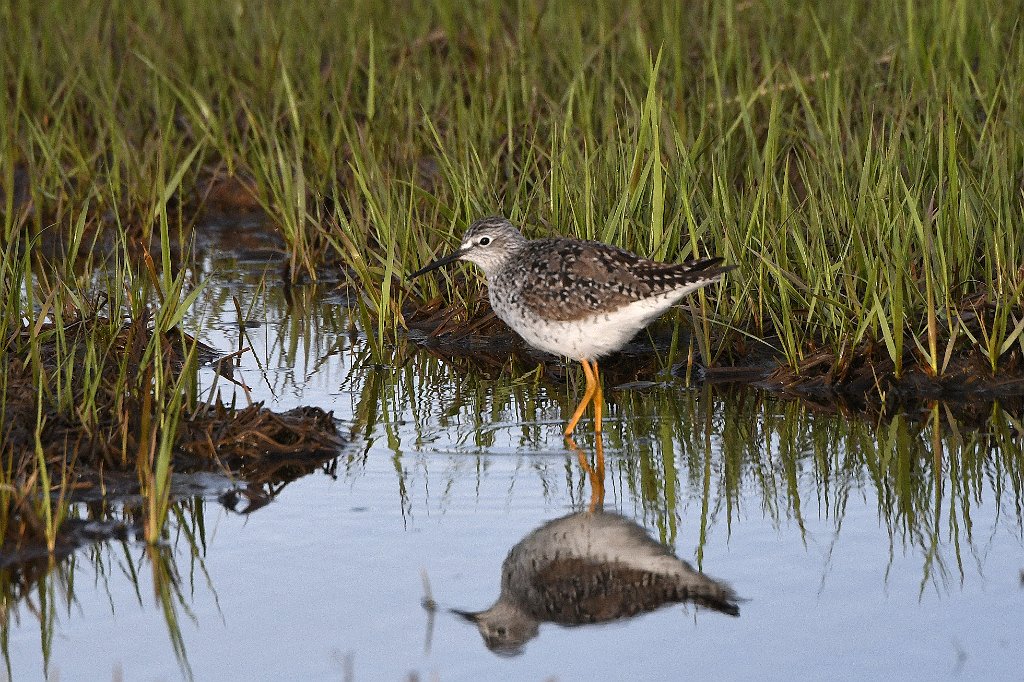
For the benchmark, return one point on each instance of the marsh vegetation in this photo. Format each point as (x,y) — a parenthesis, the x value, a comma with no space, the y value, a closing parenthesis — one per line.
(861,164)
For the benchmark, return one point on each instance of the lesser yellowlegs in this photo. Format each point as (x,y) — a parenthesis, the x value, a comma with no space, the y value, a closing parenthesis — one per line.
(590,568)
(578,299)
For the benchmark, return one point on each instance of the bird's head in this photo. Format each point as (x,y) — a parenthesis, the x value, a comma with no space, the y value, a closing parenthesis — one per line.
(489,243)
(505,628)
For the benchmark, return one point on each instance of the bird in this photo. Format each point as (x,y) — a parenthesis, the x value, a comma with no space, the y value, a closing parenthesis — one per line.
(578,299)
(589,567)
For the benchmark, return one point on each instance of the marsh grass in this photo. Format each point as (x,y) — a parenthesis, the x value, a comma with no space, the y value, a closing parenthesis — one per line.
(98,384)
(860,163)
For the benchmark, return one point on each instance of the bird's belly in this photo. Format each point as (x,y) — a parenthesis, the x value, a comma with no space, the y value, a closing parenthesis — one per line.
(590,337)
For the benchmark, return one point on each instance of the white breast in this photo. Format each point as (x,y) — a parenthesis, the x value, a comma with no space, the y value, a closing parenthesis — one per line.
(591,337)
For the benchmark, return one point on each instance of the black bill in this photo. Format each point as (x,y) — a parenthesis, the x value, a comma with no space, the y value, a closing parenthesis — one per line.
(440,262)
(471,616)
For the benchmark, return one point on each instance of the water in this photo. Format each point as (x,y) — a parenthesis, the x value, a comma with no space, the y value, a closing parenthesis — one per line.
(859,549)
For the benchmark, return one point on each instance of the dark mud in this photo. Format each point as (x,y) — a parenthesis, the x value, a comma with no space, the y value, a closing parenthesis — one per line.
(260,453)
(862,381)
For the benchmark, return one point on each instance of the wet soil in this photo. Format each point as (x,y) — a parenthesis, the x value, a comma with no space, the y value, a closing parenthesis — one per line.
(863,381)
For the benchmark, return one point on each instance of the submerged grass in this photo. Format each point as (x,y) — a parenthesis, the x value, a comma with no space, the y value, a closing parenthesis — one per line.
(862,164)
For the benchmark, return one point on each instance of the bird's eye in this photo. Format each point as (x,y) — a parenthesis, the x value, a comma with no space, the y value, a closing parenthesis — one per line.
(484,241)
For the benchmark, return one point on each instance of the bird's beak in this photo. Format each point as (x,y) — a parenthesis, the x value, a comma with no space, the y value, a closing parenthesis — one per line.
(471,616)
(440,262)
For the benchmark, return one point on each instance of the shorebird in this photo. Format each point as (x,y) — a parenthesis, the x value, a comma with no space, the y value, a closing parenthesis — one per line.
(578,299)
(589,567)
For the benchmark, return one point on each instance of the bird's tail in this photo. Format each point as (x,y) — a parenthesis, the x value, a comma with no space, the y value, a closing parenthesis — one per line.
(706,591)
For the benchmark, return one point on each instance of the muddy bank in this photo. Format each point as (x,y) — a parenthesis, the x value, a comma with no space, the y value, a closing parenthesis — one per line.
(241,458)
(865,379)
(114,393)
(123,412)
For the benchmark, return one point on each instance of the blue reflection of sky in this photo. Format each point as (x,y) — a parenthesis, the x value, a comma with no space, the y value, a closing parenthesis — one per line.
(444,476)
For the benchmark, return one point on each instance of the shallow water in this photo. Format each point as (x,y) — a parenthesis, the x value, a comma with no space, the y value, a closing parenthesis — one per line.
(858,550)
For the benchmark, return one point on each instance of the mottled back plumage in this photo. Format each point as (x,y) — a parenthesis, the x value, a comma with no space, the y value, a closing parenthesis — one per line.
(567,279)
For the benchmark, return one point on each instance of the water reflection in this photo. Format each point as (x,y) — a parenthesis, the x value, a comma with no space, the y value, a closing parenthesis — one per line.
(589,567)
(45,590)
(438,438)
(101,542)
(724,454)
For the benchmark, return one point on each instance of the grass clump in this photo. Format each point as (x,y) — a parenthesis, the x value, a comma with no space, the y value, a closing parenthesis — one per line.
(107,383)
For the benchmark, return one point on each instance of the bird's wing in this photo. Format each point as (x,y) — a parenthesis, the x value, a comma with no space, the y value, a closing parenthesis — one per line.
(572,279)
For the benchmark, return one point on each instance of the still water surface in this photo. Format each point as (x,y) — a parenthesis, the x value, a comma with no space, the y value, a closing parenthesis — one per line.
(857,549)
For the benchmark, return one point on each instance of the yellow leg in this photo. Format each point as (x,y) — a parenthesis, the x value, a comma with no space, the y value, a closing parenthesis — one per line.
(595,475)
(592,387)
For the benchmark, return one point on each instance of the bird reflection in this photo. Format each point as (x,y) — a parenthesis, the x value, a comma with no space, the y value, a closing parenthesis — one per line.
(594,473)
(589,567)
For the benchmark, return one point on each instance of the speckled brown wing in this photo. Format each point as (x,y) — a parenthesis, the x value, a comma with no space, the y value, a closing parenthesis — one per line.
(569,280)
(575,591)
